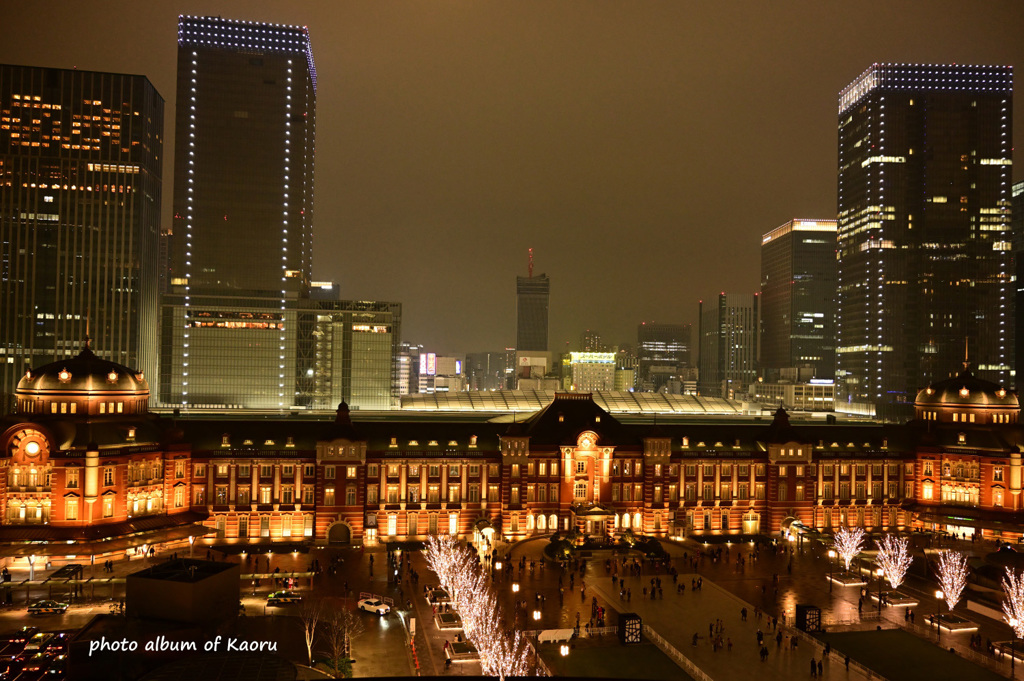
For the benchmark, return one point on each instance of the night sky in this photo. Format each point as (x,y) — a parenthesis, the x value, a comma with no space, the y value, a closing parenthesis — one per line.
(640,148)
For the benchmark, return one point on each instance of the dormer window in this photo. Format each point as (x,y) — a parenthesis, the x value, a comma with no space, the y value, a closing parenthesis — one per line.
(432,443)
(472,440)
(268,443)
(394,442)
(414,443)
(961,438)
(225,440)
(131,433)
(290,442)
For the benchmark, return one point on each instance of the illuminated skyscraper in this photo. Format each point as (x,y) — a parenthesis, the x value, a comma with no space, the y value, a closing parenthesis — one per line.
(924,230)
(243,172)
(663,350)
(728,339)
(80,189)
(240,244)
(532,295)
(798,291)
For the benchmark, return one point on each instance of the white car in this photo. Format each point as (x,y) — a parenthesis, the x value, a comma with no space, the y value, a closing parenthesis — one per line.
(374,605)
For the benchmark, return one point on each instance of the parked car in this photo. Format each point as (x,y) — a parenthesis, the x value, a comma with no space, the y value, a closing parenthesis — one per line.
(47,608)
(374,605)
(283,598)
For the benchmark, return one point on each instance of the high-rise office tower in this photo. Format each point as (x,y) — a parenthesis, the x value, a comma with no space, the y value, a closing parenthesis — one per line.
(532,295)
(80,189)
(1018,266)
(243,171)
(591,341)
(798,291)
(924,230)
(663,350)
(728,344)
(240,242)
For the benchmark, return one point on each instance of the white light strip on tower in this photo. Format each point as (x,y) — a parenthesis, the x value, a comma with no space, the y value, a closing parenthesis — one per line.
(189,216)
(284,231)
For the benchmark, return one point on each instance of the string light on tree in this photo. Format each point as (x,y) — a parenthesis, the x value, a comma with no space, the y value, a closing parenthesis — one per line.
(894,558)
(849,542)
(952,576)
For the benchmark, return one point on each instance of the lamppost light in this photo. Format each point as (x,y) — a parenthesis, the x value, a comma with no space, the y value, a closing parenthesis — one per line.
(515,587)
(831,553)
(939,595)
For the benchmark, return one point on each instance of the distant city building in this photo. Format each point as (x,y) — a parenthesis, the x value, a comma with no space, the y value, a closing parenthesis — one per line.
(728,344)
(798,290)
(534,366)
(591,341)
(924,230)
(662,350)
(81,155)
(532,295)
(407,369)
(625,380)
(592,371)
(818,394)
(491,370)
(439,373)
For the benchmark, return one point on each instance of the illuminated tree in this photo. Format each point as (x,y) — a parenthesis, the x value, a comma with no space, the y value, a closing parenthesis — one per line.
(310,614)
(952,576)
(1013,606)
(849,542)
(894,558)
(503,652)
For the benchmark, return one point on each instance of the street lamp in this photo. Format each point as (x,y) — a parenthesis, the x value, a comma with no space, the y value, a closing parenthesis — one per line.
(515,587)
(881,573)
(1013,639)
(938,613)
(191,544)
(536,615)
(831,563)
(564,650)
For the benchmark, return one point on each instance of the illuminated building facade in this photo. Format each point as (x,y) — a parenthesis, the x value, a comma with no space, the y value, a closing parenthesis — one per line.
(532,294)
(798,289)
(243,210)
(924,230)
(234,353)
(663,351)
(592,371)
(86,462)
(80,190)
(728,344)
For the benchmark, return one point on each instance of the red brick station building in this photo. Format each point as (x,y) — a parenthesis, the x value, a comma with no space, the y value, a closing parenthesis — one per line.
(91,473)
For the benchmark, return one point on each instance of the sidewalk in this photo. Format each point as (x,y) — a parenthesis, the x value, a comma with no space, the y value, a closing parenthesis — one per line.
(678,617)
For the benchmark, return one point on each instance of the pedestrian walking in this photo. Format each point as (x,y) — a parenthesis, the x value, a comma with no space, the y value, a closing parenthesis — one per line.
(814,669)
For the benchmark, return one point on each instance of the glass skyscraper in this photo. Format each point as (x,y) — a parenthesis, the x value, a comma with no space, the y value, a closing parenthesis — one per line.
(728,337)
(798,290)
(80,191)
(240,244)
(924,230)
